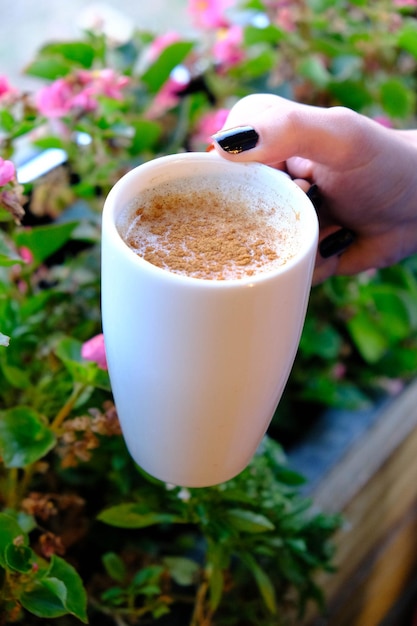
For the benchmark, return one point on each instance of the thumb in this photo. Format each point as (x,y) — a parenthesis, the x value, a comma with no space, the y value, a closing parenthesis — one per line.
(271,129)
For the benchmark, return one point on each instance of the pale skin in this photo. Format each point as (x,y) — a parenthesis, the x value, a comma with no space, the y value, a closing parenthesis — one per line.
(366,174)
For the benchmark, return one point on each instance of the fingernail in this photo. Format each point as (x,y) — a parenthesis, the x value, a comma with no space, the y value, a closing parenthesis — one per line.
(237,140)
(336,243)
(315,196)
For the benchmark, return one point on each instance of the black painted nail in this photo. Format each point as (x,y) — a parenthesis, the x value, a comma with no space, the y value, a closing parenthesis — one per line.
(336,243)
(236,140)
(315,196)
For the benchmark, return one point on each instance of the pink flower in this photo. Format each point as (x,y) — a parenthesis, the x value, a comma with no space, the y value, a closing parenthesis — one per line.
(6,89)
(84,101)
(94,350)
(285,19)
(79,92)
(384,120)
(7,172)
(55,100)
(405,3)
(166,98)
(339,371)
(227,49)
(104,82)
(209,124)
(208,14)
(26,254)
(160,43)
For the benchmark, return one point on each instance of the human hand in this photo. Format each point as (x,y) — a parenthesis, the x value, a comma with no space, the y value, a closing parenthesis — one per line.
(366,175)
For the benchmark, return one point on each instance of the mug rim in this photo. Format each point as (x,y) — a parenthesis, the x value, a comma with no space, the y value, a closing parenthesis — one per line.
(111,211)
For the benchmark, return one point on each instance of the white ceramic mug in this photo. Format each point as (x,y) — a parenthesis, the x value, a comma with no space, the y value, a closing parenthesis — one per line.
(198,366)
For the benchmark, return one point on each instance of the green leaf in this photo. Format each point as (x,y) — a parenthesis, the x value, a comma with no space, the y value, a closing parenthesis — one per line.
(8,253)
(394,312)
(387,318)
(57,588)
(350,93)
(18,558)
(291,567)
(160,610)
(18,378)
(319,6)
(47,68)
(133,516)
(158,73)
(23,128)
(182,570)
(216,586)
(76,597)
(115,596)
(289,477)
(369,340)
(114,566)
(59,591)
(150,590)
(217,561)
(5,216)
(270,34)
(254,5)
(314,70)
(258,66)
(43,599)
(263,581)
(76,52)
(396,98)
(82,371)
(147,576)
(248,521)
(7,121)
(407,37)
(58,59)
(147,133)
(24,437)
(43,241)
(320,339)
(45,143)
(9,531)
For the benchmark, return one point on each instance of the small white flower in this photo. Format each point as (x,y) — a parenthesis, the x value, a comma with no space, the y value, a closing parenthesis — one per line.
(184,494)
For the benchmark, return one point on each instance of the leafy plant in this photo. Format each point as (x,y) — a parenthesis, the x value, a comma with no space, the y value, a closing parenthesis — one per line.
(84,533)
(46,589)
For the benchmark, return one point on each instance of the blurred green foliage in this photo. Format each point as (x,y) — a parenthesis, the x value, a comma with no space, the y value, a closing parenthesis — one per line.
(84,533)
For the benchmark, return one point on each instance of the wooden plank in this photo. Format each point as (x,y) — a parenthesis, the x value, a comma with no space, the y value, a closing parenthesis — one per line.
(375,487)
(381,579)
(380,505)
(395,422)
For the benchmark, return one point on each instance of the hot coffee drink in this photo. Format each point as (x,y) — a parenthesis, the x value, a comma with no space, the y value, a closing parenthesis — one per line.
(199,352)
(211,229)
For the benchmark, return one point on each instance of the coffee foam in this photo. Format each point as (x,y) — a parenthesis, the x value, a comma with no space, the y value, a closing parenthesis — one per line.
(214,229)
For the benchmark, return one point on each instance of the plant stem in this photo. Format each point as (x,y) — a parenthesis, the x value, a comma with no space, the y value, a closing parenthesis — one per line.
(67,408)
(26,479)
(16,491)
(11,500)
(199,617)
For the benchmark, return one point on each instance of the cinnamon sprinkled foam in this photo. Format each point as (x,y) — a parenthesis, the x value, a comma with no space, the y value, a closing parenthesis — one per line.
(211,231)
